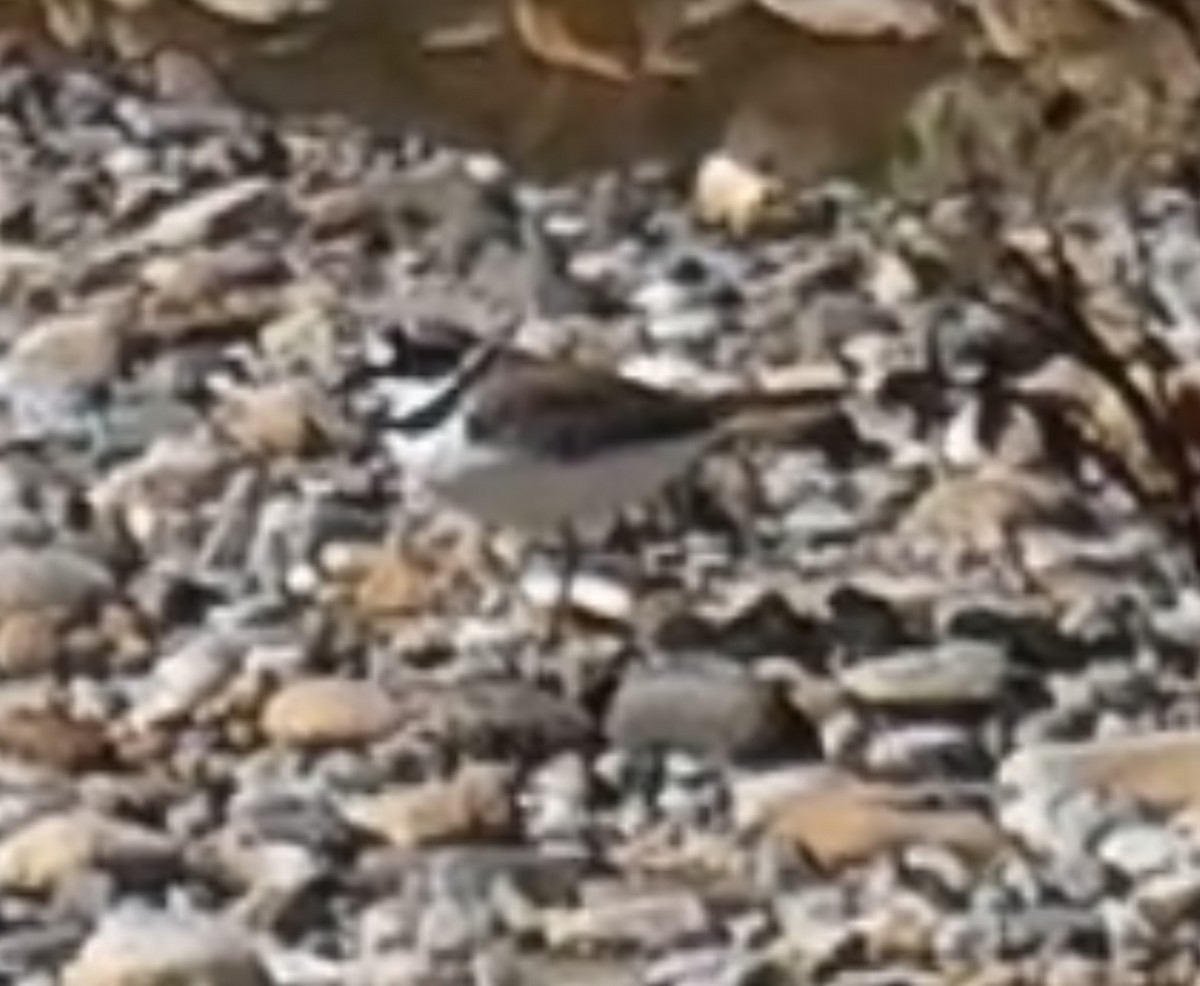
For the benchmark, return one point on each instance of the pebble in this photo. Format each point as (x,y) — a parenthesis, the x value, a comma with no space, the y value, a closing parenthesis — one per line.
(55,738)
(816,925)
(589,593)
(30,642)
(839,820)
(474,804)
(49,851)
(903,694)
(381,584)
(956,674)
(1165,899)
(80,349)
(183,680)
(197,219)
(149,948)
(623,919)
(50,579)
(1160,768)
(1139,851)
(709,709)
(487,717)
(287,418)
(329,712)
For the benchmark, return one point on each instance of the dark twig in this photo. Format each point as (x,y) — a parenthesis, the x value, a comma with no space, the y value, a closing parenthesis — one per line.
(1057,301)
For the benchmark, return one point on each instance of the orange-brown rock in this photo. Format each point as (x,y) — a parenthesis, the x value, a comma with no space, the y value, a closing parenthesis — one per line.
(475,804)
(839,819)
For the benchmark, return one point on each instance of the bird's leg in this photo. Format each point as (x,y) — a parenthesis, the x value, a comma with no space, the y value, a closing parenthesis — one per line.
(757,500)
(571,556)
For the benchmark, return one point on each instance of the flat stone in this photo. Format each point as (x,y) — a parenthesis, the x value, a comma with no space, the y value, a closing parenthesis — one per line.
(194,220)
(839,819)
(329,712)
(1139,851)
(710,709)
(147,948)
(56,579)
(53,738)
(491,718)
(1161,769)
(954,674)
(53,848)
(475,804)
(184,679)
(647,920)
(78,349)
(592,594)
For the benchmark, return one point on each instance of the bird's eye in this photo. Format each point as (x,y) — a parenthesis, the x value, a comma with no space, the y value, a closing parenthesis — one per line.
(423,352)
(380,353)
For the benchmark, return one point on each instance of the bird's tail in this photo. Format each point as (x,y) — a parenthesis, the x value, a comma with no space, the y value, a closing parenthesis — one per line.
(788,410)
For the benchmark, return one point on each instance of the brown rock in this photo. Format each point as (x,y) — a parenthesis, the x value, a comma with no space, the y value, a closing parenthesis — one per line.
(329,712)
(839,819)
(284,418)
(52,737)
(29,643)
(382,583)
(1157,768)
(475,804)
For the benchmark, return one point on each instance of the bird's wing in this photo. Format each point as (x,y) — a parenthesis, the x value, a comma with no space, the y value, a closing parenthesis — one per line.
(567,411)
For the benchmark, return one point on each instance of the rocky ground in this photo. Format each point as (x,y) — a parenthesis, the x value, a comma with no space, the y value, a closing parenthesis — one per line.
(906,698)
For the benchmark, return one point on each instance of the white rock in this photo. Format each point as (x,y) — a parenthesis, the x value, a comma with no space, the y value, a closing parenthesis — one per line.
(183,680)
(53,848)
(592,593)
(148,948)
(1143,849)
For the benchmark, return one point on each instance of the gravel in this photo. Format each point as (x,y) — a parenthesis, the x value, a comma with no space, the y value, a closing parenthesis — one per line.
(908,698)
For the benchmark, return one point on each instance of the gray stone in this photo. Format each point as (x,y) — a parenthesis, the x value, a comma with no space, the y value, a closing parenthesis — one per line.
(709,709)
(148,948)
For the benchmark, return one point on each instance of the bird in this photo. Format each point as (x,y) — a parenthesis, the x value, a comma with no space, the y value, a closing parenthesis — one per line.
(542,445)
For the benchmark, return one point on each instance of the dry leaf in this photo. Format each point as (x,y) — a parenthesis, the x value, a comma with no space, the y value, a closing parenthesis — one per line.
(71,22)
(599,37)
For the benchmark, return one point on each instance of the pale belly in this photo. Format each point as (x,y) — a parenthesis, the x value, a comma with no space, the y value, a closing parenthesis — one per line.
(536,494)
